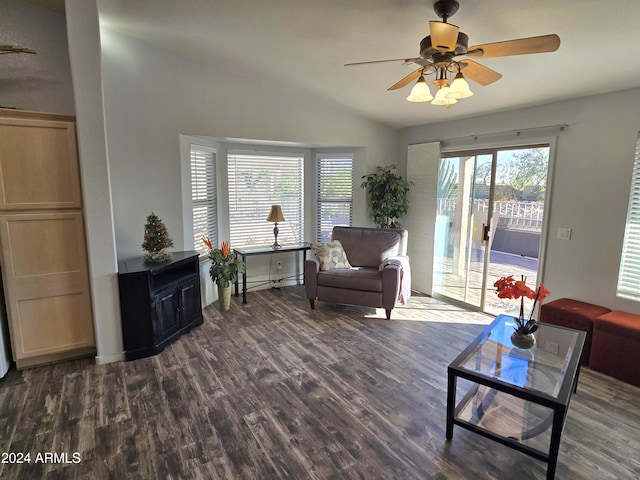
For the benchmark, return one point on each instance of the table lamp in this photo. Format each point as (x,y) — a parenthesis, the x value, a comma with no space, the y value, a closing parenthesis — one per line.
(275,215)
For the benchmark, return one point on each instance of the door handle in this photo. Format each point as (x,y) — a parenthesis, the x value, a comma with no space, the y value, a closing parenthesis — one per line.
(485,233)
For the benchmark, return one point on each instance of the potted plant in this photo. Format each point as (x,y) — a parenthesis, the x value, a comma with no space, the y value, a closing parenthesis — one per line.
(507,287)
(388,199)
(225,267)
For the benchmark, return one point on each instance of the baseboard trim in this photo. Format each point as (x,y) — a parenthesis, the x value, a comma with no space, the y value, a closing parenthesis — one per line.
(104,359)
(54,357)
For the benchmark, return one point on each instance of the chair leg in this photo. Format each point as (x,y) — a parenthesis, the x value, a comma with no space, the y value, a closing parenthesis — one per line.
(313,302)
(388,312)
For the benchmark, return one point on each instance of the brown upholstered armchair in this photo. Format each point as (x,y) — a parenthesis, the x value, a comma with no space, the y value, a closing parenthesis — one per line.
(376,275)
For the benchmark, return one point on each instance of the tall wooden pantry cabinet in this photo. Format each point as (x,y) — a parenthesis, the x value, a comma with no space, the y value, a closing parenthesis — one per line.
(43,253)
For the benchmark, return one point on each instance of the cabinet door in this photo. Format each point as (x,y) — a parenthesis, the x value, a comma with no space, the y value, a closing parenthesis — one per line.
(167,314)
(44,268)
(38,165)
(189,293)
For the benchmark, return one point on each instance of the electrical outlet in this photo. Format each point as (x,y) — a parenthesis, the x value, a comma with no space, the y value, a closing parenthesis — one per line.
(564,233)
(552,347)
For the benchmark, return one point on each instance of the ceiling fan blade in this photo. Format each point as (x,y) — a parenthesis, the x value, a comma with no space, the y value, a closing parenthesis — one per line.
(444,36)
(479,73)
(406,80)
(403,60)
(522,46)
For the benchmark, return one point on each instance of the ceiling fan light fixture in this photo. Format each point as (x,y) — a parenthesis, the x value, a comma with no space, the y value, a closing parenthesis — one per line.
(444,36)
(441,98)
(459,88)
(420,92)
(438,55)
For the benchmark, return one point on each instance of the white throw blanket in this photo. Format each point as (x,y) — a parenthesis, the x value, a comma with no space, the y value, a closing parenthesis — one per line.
(405,276)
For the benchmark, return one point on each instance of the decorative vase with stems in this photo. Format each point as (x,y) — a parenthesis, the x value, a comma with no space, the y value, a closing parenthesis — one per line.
(507,287)
(225,267)
(224,297)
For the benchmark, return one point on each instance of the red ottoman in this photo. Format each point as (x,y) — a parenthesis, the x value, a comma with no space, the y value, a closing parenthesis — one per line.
(569,313)
(615,349)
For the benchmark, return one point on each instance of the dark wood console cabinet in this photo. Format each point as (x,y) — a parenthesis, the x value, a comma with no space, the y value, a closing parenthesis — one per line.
(158,303)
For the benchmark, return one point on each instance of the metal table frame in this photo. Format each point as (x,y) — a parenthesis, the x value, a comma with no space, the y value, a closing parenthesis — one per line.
(245,252)
(559,404)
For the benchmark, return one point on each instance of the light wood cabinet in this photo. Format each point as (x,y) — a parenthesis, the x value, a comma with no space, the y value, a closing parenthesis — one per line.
(43,250)
(38,164)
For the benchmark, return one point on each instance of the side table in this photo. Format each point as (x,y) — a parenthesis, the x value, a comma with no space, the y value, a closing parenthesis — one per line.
(245,252)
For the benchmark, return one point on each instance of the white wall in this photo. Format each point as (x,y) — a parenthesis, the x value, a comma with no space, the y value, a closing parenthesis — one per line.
(40,82)
(131,155)
(152,96)
(43,82)
(84,51)
(590,191)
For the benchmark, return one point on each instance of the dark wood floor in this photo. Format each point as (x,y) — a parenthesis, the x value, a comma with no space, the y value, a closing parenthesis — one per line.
(275,390)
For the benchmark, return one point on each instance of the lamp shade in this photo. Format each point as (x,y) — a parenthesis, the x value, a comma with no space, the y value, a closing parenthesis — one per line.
(443,35)
(442,99)
(275,215)
(420,92)
(459,88)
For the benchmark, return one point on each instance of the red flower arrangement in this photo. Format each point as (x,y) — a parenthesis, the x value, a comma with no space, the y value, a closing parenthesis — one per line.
(507,287)
(225,265)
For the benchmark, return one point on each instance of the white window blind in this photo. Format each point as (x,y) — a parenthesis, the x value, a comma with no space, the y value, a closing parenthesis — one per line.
(203,196)
(629,275)
(258,180)
(334,193)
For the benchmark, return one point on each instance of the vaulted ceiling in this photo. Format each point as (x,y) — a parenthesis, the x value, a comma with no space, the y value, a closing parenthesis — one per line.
(303,44)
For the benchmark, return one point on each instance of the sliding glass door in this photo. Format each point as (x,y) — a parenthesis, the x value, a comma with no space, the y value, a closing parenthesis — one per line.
(460,245)
(489,223)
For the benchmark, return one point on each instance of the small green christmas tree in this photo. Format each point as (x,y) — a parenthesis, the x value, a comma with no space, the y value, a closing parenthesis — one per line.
(156,240)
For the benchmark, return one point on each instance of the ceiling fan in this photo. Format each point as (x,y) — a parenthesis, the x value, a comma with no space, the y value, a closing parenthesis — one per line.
(441,48)
(4,49)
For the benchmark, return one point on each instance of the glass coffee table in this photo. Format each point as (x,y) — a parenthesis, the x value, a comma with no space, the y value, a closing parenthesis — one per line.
(516,397)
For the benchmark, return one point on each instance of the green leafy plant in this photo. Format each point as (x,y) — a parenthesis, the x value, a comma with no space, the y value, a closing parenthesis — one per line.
(225,264)
(447,179)
(388,199)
